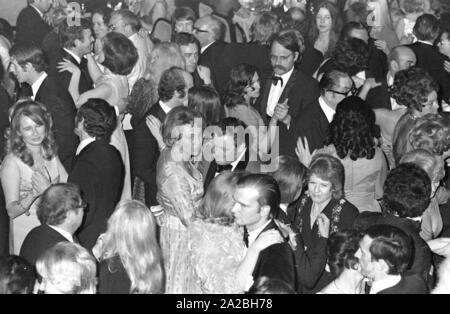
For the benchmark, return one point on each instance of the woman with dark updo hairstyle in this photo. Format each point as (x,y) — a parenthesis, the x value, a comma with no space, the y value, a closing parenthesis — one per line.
(344,265)
(353,138)
(30,166)
(206,100)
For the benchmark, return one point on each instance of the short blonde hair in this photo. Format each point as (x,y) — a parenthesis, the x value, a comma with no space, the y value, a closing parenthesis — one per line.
(69,267)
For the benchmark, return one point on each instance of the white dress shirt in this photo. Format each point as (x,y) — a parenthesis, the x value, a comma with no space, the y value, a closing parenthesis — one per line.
(164,107)
(327,110)
(36,85)
(386,283)
(276,92)
(83,144)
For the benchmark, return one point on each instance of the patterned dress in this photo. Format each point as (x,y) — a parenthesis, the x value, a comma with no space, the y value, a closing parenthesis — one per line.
(180,191)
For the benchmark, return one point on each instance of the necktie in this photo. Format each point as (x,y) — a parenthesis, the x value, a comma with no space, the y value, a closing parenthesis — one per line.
(275,80)
(246,237)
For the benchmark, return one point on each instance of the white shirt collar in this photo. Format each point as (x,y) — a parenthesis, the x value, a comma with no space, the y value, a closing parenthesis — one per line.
(64,233)
(327,110)
(385,283)
(235,163)
(202,50)
(36,85)
(252,235)
(164,107)
(73,55)
(38,11)
(83,144)
(284,207)
(425,42)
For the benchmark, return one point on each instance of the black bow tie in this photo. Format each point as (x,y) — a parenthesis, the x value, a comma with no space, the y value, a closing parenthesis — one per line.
(246,234)
(221,168)
(275,80)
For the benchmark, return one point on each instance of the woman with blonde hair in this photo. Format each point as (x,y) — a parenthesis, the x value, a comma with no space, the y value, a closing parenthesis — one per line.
(164,56)
(30,166)
(130,256)
(67,268)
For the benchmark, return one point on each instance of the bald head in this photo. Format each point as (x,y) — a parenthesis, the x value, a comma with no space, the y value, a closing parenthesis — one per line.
(401,58)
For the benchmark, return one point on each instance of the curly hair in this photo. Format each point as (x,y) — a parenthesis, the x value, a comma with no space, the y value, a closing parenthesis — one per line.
(407,191)
(143,95)
(335,28)
(350,56)
(99,118)
(241,76)
(353,131)
(432,133)
(412,87)
(14,141)
(342,247)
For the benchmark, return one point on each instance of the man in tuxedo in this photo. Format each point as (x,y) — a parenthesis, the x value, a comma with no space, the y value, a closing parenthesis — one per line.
(429,58)
(313,124)
(60,212)
(288,92)
(190,48)
(98,168)
(227,151)
(209,32)
(76,42)
(29,65)
(173,92)
(30,25)
(257,198)
(400,58)
(384,254)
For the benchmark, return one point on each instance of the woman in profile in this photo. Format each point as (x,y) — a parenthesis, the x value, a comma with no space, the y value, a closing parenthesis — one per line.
(217,252)
(130,256)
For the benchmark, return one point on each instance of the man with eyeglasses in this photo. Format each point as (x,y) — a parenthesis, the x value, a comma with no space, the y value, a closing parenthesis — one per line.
(288,91)
(60,212)
(312,126)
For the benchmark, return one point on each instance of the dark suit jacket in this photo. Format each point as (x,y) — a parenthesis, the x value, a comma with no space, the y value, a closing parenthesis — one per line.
(146,153)
(65,77)
(212,57)
(276,261)
(51,47)
(312,124)
(5,104)
(377,65)
(60,104)
(301,90)
(379,97)
(38,241)
(431,60)
(311,60)
(30,27)
(409,284)
(99,172)
(113,282)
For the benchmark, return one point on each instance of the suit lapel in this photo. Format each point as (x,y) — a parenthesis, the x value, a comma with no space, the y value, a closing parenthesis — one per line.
(288,87)
(69,57)
(265,99)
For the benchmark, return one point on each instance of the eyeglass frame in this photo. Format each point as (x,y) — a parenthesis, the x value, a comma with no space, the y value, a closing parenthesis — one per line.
(198,30)
(353,90)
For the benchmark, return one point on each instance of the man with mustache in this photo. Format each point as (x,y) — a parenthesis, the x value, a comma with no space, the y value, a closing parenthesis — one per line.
(288,91)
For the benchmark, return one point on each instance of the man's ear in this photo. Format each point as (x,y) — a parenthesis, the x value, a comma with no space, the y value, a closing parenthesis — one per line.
(296,55)
(265,211)
(28,67)
(394,65)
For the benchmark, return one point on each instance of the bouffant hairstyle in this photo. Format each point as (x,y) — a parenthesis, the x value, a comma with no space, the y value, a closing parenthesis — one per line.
(432,164)
(17,276)
(218,200)
(432,133)
(412,87)
(342,247)
(290,176)
(241,76)
(57,201)
(328,168)
(143,95)
(206,100)
(40,115)
(353,131)
(120,53)
(99,118)
(265,27)
(407,191)
(350,56)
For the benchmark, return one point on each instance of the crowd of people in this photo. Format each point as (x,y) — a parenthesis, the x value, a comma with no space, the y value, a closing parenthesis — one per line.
(224,147)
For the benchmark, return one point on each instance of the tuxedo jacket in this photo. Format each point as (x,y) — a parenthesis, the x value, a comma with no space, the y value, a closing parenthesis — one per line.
(60,104)
(312,124)
(99,172)
(431,60)
(409,284)
(379,96)
(30,27)
(213,57)
(145,153)
(38,240)
(65,77)
(51,47)
(311,59)
(276,261)
(377,64)
(301,90)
